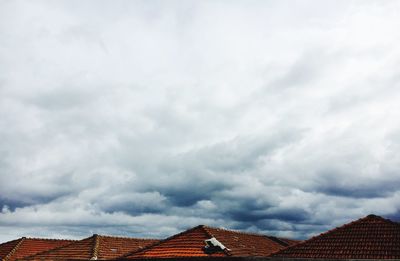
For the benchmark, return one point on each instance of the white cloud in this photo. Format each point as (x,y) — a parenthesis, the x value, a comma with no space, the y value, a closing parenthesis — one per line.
(145,118)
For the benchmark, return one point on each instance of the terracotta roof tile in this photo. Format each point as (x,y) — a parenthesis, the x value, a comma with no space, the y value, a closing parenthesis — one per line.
(94,247)
(7,247)
(24,247)
(371,237)
(191,243)
(112,247)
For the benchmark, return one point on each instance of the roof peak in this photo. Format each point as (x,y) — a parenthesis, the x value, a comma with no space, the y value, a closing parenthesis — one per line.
(360,220)
(376,217)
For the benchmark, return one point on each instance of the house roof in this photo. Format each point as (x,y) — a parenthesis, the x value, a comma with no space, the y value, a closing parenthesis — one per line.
(96,247)
(371,237)
(191,243)
(24,247)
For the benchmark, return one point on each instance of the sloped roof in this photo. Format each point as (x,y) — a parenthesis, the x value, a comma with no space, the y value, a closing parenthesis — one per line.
(23,247)
(371,237)
(191,243)
(96,247)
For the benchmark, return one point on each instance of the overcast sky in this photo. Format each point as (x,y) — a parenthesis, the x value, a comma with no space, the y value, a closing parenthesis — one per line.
(145,118)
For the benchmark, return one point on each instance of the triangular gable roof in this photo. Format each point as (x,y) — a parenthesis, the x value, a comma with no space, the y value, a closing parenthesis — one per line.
(23,247)
(96,247)
(371,237)
(191,243)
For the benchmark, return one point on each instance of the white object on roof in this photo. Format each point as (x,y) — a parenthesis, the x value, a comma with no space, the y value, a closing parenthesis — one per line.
(213,242)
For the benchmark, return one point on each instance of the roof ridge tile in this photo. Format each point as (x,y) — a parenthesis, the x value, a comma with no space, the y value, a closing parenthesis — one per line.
(124,237)
(7,257)
(95,249)
(50,239)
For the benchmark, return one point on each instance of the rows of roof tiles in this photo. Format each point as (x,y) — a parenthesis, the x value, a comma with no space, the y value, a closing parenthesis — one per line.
(96,247)
(371,237)
(191,243)
(23,247)
(185,244)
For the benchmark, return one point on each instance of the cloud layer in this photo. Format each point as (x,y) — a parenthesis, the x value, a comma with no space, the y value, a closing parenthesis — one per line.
(145,118)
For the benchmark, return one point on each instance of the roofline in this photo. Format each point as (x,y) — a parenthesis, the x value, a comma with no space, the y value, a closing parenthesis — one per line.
(49,239)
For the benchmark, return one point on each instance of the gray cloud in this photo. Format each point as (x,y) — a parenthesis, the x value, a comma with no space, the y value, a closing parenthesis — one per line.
(145,118)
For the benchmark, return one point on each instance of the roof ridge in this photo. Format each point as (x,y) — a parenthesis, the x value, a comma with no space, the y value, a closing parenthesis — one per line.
(7,257)
(205,229)
(161,241)
(50,239)
(95,249)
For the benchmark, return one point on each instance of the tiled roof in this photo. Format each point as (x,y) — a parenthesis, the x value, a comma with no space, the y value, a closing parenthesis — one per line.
(371,237)
(24,247)
(191,243)
(96,247)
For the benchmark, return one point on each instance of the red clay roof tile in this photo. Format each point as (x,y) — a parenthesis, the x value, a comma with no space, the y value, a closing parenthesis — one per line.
(371,237)
(95,247)
(191,243)
(23,247)
(7,247)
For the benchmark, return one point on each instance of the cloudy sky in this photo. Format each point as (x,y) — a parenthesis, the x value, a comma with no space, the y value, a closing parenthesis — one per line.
(144,118)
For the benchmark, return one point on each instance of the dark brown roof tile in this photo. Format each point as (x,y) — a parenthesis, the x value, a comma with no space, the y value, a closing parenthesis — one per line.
(371,237)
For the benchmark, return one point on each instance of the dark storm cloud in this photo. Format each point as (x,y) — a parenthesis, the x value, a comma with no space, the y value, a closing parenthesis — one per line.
(360,191)
(145,118)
